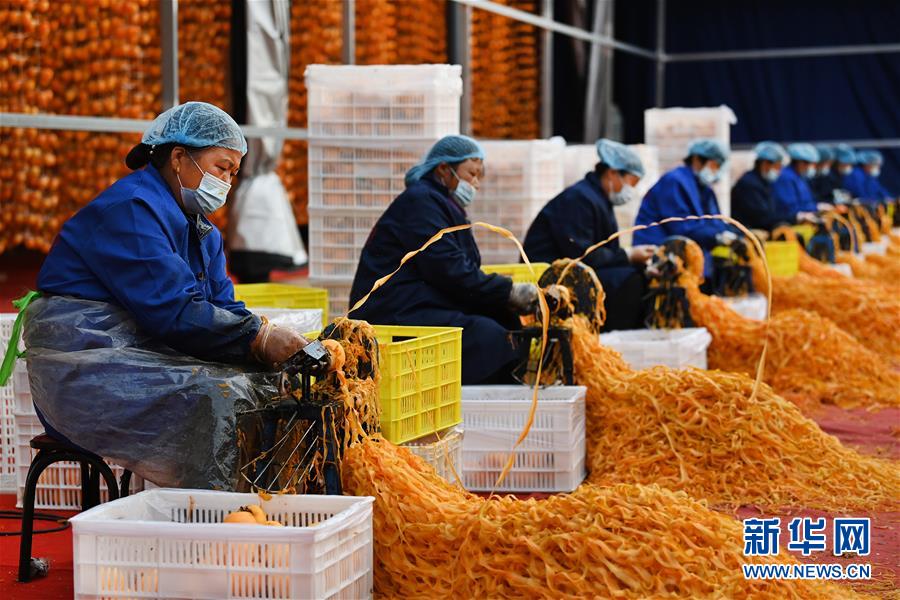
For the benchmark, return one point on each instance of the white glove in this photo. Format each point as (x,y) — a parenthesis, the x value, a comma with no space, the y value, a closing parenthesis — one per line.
(806,217)
(824,206)
(726,238)
(638,255)
(523,298)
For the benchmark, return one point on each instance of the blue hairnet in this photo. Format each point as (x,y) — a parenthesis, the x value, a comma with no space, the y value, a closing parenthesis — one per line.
(844,153)
(825,152)
(770,151)
(619,157)
(709,149)
(803,151)
(196,124)
(869,157)
(449,149)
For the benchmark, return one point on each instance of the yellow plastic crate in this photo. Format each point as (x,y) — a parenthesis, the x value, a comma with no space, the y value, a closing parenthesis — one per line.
(804,230)
(520,273)
(783,258)
(421,379)
(281,295)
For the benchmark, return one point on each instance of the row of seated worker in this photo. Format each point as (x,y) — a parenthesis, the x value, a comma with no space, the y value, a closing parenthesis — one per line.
(815,178)
(444,285)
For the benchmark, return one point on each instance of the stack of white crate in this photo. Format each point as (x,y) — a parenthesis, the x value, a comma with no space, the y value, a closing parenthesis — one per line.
(520,178)
(367,126)
(580,158)
(673,129)
(7,422)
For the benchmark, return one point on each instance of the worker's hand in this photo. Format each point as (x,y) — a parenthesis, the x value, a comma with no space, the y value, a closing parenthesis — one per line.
(806,217)
(523,298)
(824,206)
(639,255)
(274,345)
(726,238)
(761,234)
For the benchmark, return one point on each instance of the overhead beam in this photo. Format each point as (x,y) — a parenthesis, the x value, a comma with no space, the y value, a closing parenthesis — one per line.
(806,52)
(555,26)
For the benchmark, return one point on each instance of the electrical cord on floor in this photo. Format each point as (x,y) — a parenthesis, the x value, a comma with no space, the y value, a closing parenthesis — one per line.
(17,514)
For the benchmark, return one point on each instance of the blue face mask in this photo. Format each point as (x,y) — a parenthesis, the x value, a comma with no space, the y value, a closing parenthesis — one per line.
(209,196)
(708,177)
(771,175)
(464,193)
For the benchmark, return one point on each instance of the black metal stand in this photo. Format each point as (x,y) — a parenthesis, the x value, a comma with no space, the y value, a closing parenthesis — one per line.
(559,340)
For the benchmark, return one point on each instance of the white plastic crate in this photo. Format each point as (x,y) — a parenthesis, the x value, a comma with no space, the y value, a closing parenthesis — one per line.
(338,295)
(381,101)
(441,451)
(672,130)
(522,169)
(516,216)
(552,456)
(167,543)
(298,319)
(675,348)
(336,239)
(22,389)
(842,268)
(751,306)
(59,487)
(7,408)
(879,247)
(360,175)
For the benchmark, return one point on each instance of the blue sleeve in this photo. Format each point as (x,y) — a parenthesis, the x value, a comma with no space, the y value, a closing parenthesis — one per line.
(853,183)
(646,215)
(131,255)
(446,265)
(583,226)
(221,284)
(677,204)
(786,200)
(807,200)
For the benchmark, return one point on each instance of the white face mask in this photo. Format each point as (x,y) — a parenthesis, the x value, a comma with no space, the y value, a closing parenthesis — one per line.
(464,193)
(846,170)
(771,175)
(825,171)
(708,177)
(623,196)
(875,172)
(209,196)
(810,171)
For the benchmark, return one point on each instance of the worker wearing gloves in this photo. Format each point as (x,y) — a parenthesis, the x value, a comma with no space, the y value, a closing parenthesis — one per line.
(752,202)
(444,285)
(793,196)
(145,243)
(823,184)
(863,182)
(687,191)
(581,216)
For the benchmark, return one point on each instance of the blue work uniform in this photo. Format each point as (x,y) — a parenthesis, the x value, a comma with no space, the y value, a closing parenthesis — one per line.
(570,223)
(752,202)
(442,286)
(792,195)
(823,187)
(133,246)
(679,193)
(855,183)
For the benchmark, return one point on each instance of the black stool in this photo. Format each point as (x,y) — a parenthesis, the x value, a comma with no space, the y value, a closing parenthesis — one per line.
(50,451)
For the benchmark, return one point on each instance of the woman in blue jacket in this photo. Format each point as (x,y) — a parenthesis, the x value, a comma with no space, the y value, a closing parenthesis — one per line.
(581,216)
(751,197)
(444,285)
(687,191)
(794,197)
(145,243)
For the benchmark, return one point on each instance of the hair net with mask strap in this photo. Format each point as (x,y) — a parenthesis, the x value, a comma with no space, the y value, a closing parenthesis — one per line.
(619,157)
(709,149)
(802,151)
(869,157)
(844,153)
(825,152)
(449,149)
(770,151)
(196,124)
